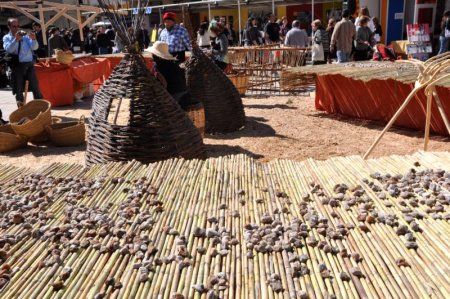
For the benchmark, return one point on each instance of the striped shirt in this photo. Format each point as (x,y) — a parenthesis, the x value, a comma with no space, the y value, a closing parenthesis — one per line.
(343,35)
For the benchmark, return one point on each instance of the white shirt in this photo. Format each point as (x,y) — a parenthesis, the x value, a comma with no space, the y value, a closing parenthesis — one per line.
(203,40)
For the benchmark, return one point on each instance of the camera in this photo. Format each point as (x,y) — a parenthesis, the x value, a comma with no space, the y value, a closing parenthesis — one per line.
(22,33)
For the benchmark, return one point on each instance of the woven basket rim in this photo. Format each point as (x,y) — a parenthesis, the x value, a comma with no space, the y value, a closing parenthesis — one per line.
(19,111)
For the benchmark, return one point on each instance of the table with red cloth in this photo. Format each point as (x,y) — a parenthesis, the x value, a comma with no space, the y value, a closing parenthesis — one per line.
(58,82)
(375,91)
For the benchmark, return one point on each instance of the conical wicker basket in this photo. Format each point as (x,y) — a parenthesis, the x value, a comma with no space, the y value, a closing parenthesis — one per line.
(37,115)
(155,127)
(9,140)
(224,111)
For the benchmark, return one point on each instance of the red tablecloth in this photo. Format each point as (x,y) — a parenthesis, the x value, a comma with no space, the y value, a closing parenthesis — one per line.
(58,82)
(378,100)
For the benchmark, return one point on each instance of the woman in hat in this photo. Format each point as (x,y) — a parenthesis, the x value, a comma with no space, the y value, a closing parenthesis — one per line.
(173,78)
(220,48)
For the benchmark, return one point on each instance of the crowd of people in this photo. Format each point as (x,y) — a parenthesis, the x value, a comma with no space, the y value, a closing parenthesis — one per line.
(339,40)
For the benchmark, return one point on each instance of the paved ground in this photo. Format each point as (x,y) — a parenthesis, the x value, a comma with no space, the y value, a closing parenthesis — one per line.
(8,102)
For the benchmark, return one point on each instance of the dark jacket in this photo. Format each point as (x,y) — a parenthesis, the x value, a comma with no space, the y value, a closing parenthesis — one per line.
(445,25)
(176,81)
(273,32)
(220,48)
(252,36)
(363,34)
(56,42)
(103,41)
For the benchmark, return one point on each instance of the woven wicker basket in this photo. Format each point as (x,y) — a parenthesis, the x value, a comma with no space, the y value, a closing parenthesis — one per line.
(151,126)
(64,57)
(43,137)
(9,140)
(70,133)
(224,111)
(196,113)
(39,115)
(240,81)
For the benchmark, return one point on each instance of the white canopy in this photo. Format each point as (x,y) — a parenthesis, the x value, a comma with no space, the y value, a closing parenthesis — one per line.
(102,23)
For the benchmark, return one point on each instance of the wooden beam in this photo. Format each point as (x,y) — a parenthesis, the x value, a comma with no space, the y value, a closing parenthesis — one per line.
(70,18)
(88,20)
(56,17)
(80,26)
(26,13)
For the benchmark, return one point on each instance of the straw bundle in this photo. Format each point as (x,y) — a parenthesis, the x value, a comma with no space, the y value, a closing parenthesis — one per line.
(133,116)
(224,111)
(365,71)
(228,227)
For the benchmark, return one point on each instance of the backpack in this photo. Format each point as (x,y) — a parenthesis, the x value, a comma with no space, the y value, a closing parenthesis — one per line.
(384,53)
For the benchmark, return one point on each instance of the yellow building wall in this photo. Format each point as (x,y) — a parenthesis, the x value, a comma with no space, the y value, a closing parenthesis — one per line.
(281,11)
(227,13)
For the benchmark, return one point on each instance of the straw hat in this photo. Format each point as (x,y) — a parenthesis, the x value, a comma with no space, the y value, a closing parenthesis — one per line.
(161,49)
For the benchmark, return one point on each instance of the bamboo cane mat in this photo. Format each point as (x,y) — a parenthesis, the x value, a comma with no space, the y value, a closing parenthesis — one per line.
(228,227)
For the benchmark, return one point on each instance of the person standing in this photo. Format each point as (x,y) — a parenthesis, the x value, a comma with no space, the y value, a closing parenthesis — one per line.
(320,37)
(272,30)
(443,40)
(284,29)
(296,37)
(378,30)
(111,37)
(41,52)
(364,12)
(103,41)
(252,35)
(203,39)
(220,48)
(330,29)
(176,37)
(342,38)
(363,40)
(22,67)
(56,42)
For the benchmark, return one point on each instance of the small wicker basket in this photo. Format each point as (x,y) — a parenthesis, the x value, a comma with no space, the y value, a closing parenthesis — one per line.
(196,114)
(240,81)
(70,133)
(39,115)
(64,57)
(9,140)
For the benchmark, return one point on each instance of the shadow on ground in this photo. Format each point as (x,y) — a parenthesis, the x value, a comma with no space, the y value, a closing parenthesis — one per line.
(220,150)
(254,127)
(275,106)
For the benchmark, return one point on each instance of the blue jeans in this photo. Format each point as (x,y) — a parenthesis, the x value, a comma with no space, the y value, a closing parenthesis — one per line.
(342,56)
(443,44)
(102,50)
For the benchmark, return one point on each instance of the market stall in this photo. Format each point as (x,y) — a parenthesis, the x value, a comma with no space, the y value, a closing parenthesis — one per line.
(372,91)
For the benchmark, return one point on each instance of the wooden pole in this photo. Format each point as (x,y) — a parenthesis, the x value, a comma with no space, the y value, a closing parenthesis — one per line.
(393,119)
(80,27)
(429,95)
(43,26)
(27,83)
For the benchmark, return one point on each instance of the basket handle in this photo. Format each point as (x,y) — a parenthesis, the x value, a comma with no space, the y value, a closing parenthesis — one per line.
(81,120)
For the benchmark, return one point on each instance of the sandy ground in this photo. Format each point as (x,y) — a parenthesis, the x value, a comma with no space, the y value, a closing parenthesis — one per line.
(277,127)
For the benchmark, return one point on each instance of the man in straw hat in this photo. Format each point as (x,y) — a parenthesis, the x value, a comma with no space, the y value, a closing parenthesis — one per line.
(176,37)
(20,46)
(173,77)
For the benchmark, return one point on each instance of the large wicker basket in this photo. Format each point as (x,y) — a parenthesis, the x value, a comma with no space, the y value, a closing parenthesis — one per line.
(9,140)
(196,113)
(37,114)
(151,126)
(224,110)
(70,133)
(240,81)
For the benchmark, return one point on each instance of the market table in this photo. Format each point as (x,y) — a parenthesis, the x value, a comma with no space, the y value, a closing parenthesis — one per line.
(58,82)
